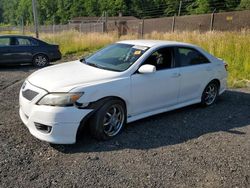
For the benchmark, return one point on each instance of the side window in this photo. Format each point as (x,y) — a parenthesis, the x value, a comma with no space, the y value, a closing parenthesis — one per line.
(161,59)
(4,41)
(34,42)
(23,42)
(188,56)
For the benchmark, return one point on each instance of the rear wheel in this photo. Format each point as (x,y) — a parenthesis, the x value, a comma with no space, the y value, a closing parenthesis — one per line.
(210,94)
(108,121)
(40,60)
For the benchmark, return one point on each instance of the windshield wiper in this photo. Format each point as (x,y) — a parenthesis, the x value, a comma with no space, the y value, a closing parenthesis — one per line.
(94,65)
(97,65)
(101,67)
(83,60)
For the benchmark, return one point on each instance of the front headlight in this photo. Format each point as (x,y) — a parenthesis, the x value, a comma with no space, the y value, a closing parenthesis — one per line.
(60,99)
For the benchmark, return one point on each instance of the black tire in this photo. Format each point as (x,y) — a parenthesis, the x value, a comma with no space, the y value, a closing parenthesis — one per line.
(40,60)
(210,94)
(114,122)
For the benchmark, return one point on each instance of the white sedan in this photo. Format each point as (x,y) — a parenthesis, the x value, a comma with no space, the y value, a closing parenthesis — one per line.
(121,83)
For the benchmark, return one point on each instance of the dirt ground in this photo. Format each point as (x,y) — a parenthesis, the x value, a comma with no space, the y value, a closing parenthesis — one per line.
(190,147)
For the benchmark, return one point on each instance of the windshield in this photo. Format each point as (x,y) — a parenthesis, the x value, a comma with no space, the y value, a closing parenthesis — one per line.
(116,57)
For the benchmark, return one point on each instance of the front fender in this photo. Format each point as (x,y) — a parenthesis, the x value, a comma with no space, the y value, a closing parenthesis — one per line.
(120,88)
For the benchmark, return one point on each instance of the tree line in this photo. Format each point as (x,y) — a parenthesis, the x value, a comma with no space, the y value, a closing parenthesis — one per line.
(15,12)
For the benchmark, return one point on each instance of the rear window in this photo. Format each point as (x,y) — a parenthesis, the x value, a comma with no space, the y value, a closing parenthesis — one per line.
(189,56)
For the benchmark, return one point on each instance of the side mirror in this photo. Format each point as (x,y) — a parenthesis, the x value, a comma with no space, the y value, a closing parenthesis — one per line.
(145,69)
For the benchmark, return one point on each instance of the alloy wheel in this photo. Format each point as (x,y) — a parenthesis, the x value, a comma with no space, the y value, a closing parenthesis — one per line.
(113,120)
(210,93)
(41,61)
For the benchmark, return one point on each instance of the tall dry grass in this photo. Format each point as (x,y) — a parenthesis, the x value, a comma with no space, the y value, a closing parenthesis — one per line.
(233,47)
(72,42)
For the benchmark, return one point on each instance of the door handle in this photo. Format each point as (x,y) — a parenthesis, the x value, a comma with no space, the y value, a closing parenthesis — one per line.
(175,75)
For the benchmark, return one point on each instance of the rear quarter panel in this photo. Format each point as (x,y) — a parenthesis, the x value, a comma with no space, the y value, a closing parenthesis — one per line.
(219,72)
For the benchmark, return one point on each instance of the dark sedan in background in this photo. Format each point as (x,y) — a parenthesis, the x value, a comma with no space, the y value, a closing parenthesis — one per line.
(15,49)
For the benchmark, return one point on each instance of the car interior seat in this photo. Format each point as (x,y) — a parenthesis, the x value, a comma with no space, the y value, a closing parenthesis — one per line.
(164,59)
(192,58)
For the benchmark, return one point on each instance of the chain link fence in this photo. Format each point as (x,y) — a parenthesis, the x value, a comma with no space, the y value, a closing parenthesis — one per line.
(226,21)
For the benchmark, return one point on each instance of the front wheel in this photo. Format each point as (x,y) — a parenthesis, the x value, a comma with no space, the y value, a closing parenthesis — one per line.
(109,120)
(210,94)
(40,60)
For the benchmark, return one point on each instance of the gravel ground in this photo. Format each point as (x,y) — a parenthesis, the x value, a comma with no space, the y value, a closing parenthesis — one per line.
(190,147)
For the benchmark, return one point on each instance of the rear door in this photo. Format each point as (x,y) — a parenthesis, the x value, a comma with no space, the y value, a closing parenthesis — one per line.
(195,71)
(22,50)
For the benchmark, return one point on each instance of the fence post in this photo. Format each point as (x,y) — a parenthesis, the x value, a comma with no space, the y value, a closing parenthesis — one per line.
(173,23)
(105,23)
(142,28)
(212,20)
(120,26)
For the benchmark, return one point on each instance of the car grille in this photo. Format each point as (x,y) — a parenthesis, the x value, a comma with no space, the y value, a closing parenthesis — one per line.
(29,94)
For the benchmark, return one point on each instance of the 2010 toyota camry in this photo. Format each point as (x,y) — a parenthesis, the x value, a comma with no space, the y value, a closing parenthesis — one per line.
(121,83)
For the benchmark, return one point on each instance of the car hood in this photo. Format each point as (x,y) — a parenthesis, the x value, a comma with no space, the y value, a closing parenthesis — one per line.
(66,76)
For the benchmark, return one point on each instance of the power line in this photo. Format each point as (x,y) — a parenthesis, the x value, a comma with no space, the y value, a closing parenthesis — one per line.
(186,8)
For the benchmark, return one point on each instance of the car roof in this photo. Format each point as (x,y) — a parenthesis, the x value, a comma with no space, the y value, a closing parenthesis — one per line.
(155,43)
(23,36)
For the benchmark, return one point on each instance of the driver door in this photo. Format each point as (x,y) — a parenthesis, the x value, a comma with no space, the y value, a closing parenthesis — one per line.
(156,90)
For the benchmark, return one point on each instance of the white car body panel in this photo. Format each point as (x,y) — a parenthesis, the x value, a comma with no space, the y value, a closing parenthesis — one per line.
(193,80)
(65,76)
(144,94)
(144,86)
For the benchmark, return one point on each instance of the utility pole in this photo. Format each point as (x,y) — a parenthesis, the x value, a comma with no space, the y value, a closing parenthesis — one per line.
(104,21)
(212,20)
(34,7)
(179,12)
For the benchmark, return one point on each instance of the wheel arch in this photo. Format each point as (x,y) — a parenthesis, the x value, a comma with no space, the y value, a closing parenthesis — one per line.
(96,105)
(215,80)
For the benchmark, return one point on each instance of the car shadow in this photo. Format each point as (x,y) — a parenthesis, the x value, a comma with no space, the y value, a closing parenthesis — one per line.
(13,68)
(21,67)
(229,113)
